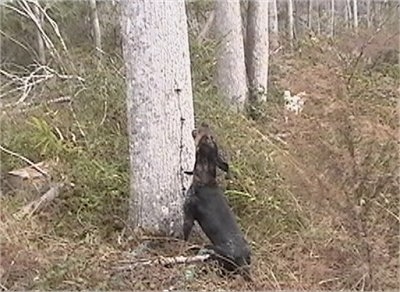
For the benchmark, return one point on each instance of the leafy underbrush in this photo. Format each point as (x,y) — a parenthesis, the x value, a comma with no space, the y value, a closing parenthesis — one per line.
(87,139)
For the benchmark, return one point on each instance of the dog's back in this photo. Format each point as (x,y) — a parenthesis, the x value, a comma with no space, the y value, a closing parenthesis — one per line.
(218,222)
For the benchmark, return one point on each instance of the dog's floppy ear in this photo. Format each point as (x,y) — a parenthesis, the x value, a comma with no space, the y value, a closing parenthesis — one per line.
(222,164)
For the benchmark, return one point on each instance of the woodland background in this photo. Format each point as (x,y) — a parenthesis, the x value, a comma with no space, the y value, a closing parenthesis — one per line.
(316,193)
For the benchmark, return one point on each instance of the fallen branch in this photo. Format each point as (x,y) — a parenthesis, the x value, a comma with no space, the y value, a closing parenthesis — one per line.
(36,104)
(276,50)
(165,261)
(32,207)
(26,160)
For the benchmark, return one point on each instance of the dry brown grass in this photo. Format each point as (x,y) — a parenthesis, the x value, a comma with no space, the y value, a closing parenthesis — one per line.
(321,210)
(345,143)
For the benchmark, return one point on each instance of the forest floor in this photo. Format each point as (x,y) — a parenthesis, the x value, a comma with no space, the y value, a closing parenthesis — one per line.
(316,193)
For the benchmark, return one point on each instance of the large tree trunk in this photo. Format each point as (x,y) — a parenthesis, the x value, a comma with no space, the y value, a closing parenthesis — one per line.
(273,21)
(257,49)
(96,27)
(160,112)
(290,20)
(230,68)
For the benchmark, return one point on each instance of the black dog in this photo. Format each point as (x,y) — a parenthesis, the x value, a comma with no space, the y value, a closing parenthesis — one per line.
(206,203)
(207,150)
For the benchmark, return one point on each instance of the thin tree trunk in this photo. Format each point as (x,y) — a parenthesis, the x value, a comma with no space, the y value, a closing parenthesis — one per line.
(349,13)
(345,15)
(332,18)
(296,20)
(368,13)
(96,27)
(40,42)
(230,68)
(273,19)
(257,49)
(319,18)
(355,15)
(160,112)
(310,6)
(290,21)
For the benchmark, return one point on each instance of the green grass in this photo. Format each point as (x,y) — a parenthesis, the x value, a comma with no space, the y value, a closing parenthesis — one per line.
(299,229)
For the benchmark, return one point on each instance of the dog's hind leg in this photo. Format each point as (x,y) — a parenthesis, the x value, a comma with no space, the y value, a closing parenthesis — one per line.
(188,219)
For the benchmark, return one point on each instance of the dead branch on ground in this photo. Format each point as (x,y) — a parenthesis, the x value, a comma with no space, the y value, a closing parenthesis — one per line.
(129,265)
(26,160)
(12,108)
(34,206)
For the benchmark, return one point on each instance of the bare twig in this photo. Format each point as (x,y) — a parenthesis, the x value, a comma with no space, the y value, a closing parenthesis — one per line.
(3,287)
(26,83)
(34,206)
(16,41)
(61,99)
(165,261)
(41,47)
(363,47)
(75,117)
(28,107)
(276,50)
(26,160)
(52,23)
(105,113)
(56,30)
(206,27)
(27,12)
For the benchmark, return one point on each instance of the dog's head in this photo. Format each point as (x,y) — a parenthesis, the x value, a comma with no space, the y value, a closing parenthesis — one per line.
(207,147)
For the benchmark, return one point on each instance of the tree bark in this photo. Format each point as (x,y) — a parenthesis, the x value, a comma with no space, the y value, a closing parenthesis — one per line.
(310,6)
(96,27)
(332,30)
(368,13)
(290,21)
(319,18)
(273,21)
(349,13)
(230,68)
(160,112)
(257,49)
(355,16)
